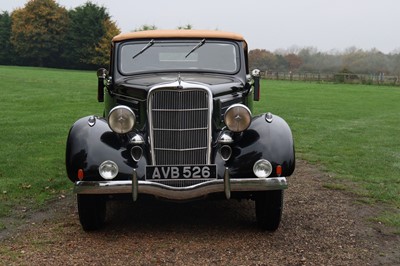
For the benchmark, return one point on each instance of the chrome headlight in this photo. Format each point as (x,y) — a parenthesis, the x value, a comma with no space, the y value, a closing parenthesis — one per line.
(121,119)
(237,117)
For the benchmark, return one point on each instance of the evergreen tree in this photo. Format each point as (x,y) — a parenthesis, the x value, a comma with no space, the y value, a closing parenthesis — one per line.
(86,30)
(7,54)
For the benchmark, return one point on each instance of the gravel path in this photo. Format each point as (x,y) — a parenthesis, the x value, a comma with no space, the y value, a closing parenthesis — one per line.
(319,227)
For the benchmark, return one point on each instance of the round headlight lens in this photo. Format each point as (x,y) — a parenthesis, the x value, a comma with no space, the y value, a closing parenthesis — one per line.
(237,118)
(262,168)
(108,170)
(121,119)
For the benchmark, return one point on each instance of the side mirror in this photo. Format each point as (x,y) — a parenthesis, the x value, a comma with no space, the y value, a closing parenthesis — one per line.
(256,78)
(101,75)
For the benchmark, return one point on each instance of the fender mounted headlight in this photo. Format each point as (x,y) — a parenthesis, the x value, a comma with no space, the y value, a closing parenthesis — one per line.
(121,119)
(237,118)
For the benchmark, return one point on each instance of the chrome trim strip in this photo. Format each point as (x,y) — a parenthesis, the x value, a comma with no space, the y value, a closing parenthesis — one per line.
(183,129)
(179,193)
(192,149)
(181,110)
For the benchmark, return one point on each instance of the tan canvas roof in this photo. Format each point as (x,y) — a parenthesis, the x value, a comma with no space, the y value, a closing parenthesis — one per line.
(158,34)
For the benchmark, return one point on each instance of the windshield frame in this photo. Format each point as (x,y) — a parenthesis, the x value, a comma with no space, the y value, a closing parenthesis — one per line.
(188,44)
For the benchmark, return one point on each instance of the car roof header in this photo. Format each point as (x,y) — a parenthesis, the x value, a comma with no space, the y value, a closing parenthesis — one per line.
(162,34)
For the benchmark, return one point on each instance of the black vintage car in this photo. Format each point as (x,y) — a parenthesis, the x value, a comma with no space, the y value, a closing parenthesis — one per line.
(177,125)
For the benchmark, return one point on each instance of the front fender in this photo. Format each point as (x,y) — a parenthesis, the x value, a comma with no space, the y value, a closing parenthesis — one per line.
(91,142)
(272,141)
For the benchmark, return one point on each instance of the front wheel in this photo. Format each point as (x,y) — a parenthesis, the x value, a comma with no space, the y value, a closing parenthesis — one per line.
(269,206)
(92,211)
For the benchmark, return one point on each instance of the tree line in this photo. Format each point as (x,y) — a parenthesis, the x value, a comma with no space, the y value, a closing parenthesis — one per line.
(43,33)
(310,60)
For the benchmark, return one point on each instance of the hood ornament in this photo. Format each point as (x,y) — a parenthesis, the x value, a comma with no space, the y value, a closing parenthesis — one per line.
(179,82)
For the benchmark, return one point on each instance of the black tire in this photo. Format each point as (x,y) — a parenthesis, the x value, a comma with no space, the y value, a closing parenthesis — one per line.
(269,205)
(92,211)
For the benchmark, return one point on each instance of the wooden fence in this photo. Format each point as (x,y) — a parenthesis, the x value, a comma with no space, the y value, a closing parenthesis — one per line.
(351,78)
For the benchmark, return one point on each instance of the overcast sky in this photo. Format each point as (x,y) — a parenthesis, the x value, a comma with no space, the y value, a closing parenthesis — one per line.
(266,24)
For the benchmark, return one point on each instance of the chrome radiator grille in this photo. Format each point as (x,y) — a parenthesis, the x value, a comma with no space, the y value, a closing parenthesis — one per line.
(180,122)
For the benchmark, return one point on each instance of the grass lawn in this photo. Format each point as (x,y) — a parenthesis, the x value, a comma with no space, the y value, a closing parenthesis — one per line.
(38,106)
(352,131)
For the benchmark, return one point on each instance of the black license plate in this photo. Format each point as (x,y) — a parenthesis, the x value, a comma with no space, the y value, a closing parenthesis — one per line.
(181,172)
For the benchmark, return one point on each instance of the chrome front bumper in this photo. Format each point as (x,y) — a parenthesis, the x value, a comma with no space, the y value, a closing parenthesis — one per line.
(136,187)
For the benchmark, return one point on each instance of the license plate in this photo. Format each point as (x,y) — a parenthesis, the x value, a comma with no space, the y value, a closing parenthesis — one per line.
(181,172)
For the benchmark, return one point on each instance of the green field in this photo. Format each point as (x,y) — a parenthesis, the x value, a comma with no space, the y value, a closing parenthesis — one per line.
(350,131)
(38,106)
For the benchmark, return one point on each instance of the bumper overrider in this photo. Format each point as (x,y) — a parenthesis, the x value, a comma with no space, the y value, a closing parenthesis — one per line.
(136,187)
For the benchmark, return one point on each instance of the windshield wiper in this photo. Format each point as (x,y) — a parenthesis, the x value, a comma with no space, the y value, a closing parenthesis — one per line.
(196,47)
(148,45)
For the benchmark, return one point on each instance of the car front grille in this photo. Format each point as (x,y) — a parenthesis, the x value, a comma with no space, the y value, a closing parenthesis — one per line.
(180,126)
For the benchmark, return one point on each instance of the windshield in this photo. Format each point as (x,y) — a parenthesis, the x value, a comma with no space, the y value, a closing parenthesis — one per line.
(189,55)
